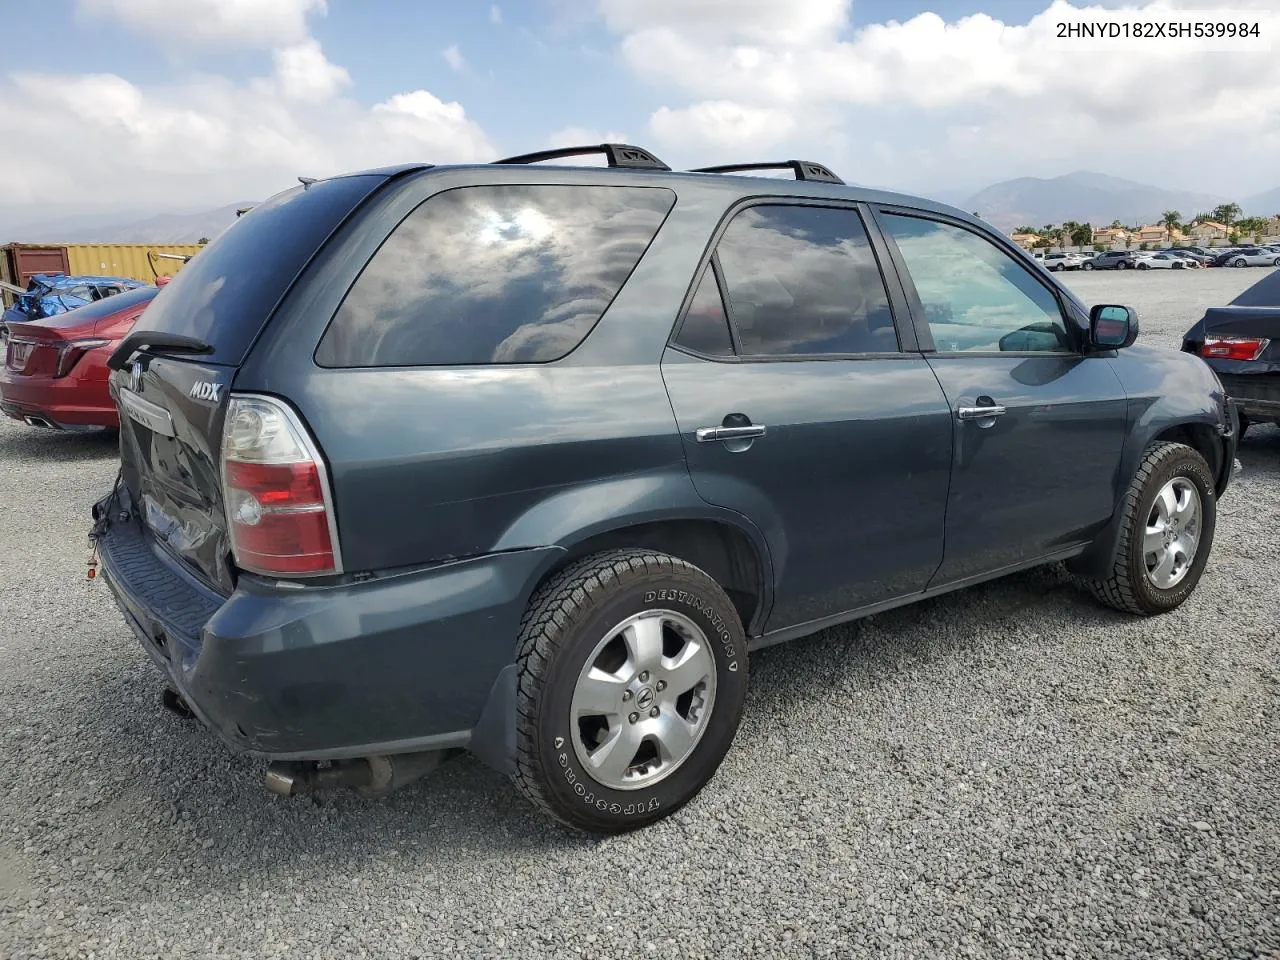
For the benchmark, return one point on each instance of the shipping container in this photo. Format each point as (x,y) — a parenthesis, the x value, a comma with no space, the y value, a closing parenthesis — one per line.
(19,262)
(127,259)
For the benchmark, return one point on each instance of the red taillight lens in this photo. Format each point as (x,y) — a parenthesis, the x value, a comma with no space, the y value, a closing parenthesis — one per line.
(278,510)
(1233,348)
(70,353)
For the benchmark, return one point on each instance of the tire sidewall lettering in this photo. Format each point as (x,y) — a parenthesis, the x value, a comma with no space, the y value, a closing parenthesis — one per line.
(708,612)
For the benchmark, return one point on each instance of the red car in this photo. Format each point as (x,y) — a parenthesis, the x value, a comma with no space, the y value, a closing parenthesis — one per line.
(55,372)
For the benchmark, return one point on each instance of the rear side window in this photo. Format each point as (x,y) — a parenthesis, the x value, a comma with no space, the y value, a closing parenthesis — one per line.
(803,281)
(229,289)
(494,274)
(706,328)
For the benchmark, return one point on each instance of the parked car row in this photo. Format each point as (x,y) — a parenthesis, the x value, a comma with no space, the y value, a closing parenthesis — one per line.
(1174,258)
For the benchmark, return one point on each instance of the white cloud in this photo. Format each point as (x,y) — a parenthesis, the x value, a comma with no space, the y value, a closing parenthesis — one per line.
(262,23)
(722,125)
(495,15)
(303,72)
(453,56)
(210,141)
(580,136)
(976,93)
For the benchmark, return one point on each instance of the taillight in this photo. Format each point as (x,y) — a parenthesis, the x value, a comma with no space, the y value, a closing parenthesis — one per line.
(279,512)
(70,353)
(1233,348)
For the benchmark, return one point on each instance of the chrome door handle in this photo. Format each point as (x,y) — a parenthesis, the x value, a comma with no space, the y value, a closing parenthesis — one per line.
(711,434)
(980,413)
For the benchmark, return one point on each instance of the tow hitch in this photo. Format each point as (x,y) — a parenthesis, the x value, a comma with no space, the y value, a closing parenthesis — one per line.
(371,776)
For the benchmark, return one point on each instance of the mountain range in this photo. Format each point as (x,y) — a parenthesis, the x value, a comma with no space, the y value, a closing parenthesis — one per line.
(1083,196)
(1098,199)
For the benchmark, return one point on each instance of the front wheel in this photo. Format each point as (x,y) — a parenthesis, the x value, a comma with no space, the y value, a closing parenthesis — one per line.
(633,673)
(1144,266)
(1166,533)
(1239,262)
(1087,266)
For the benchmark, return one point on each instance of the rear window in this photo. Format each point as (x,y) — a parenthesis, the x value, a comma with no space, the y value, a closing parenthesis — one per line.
(494,274)
(229,289)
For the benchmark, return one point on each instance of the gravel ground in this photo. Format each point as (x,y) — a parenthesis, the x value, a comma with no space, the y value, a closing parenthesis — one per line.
(1010,771)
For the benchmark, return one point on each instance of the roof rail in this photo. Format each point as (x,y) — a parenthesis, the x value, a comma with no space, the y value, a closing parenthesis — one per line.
(804,169)
(619,154)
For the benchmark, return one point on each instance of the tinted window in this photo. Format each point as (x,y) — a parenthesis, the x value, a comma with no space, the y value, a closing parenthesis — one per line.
(494,274)
(976,296)
(803,280)
(229,289)
(706,328)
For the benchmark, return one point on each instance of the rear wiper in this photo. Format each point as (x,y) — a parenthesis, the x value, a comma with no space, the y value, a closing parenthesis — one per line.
(156,340)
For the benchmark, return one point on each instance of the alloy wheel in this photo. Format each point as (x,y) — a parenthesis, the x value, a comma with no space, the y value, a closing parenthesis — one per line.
(1172,533)
(643,700)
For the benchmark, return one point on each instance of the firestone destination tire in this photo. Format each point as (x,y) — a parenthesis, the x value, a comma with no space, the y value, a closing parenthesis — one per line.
(1166,535)
(633,674)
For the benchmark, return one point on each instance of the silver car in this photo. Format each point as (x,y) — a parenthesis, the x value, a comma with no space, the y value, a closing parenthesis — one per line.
(1253,257)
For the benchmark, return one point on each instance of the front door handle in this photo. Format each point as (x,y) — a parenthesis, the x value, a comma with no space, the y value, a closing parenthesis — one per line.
(980,413)
(712,434)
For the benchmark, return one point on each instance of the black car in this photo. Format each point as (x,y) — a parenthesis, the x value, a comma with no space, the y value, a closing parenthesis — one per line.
(1201,255)
(1241,342)
(524,460)
(1111,260)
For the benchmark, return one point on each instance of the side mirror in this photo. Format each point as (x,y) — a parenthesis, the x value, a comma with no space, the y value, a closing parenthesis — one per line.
(1112,327)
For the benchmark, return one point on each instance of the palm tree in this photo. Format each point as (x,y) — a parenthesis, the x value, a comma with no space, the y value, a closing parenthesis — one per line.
(1226,213)
(1172,221)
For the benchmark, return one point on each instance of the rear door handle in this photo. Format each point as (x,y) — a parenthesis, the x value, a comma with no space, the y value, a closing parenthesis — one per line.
(712,434)
(980,413)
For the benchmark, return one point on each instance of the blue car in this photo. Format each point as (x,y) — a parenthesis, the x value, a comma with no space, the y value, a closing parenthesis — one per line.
(49,294)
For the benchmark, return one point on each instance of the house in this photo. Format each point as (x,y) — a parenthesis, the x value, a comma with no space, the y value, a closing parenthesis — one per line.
(1025,240)
(1209,230)
(1273,227)
(1157,233)
(1110,235)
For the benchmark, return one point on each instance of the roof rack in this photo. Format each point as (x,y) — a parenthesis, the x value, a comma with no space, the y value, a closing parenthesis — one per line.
(804,169)
(619,154)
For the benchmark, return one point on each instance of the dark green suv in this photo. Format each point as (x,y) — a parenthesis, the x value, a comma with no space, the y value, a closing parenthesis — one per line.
(524,460)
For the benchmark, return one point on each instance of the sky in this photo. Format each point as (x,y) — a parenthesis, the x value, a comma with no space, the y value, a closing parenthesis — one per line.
(185,105)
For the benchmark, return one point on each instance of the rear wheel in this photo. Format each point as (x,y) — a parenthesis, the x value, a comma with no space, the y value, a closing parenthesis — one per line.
(1170,512)
(633,673)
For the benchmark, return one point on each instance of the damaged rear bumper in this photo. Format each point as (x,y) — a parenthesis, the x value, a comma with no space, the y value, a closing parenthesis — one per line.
(397,664)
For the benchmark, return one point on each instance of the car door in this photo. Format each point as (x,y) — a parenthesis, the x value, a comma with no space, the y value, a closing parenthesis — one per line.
(800,408)
(1038,423)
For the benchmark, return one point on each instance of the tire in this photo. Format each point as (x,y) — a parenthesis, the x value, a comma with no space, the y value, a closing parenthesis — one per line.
(1086,266)
(1239,262)
(574,621)
(1130,588)
(1276,262)
(1144,266)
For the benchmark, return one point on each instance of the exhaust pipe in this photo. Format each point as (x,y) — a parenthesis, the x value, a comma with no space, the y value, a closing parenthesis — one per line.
(371,776)
(34,421)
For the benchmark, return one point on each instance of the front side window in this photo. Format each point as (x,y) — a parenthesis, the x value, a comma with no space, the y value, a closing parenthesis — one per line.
(802,281)
(494,274)
(976,297)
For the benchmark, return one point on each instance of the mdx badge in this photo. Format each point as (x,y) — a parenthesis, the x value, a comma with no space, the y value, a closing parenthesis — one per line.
(204,390)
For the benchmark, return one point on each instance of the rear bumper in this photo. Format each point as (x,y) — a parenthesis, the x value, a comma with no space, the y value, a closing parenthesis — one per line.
(1256,395)
(396,664)
(64,403)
